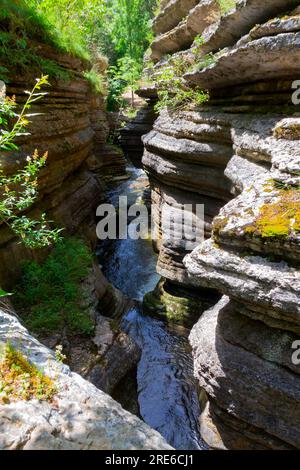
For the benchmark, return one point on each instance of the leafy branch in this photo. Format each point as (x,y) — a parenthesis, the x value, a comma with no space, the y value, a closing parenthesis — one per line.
(6,111)
(173,92)
(19,191)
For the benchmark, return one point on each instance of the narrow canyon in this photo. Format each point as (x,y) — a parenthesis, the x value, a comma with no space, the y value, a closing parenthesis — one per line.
(188,349)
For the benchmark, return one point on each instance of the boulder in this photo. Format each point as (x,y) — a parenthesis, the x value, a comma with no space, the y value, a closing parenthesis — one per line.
(80,416)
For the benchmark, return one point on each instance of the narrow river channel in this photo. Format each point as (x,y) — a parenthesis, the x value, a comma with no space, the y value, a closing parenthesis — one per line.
(167,391)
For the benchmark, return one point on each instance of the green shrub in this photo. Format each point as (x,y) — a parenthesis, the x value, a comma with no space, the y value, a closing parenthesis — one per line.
(50,294)
(206,61)
(202,61)
(173,92)
(19,191)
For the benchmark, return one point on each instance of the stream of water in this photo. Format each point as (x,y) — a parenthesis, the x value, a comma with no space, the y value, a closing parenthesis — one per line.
(167,390)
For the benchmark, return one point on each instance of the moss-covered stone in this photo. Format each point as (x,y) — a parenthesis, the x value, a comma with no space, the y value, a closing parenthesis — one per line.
(175,304)
(282,217)
(218,224)
(21,380)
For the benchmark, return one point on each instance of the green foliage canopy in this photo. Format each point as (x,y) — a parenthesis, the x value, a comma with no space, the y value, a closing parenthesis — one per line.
(75,22)
(124,35)
(120,29)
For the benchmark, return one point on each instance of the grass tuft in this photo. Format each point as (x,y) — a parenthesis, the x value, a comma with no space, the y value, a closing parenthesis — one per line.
(20,380)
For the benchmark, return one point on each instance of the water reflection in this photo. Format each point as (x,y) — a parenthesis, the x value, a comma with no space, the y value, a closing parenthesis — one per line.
(167,391)
(130,265)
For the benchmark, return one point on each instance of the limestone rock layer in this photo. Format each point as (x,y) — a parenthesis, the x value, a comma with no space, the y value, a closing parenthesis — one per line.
(239,156)
(72,127)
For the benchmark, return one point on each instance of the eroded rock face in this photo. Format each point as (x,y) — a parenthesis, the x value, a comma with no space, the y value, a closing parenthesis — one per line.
(171,14)
(80,416)
(176,33)
(73,128)
(204,14)
(185,157)
(239,156)
(237,22)
(274,56)
(131,134)
(245,369)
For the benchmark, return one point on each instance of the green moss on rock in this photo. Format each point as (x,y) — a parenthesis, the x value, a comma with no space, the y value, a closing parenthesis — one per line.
(21,380)
(280,218)
(175,305)
(219,224)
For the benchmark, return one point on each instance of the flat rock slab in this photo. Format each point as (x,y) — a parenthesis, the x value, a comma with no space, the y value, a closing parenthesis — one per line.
(80,417)
(275,56)
(250,279)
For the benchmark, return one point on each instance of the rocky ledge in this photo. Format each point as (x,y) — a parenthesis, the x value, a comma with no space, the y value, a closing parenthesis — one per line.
(80,416)
(131,134)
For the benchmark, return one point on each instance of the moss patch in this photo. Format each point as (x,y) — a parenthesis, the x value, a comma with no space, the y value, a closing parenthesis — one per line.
(280,218)
(277,219)
(20,380)
(226,5)
(219,223)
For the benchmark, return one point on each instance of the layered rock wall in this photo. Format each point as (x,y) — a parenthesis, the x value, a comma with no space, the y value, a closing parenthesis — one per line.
(72,127)
(131,134)
(239,156)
